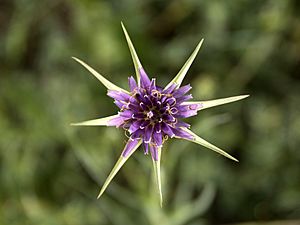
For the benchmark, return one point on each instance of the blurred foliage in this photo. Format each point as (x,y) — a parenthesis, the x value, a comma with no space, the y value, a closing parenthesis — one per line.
(51,173)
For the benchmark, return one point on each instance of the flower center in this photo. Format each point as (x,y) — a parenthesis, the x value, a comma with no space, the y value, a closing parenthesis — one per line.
(150,114)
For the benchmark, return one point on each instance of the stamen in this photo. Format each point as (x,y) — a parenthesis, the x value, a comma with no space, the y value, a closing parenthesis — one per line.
(171,101)
(173,110)
(126,134)
(156,94)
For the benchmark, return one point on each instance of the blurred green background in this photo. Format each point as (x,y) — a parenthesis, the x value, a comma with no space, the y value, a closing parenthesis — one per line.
(51,173)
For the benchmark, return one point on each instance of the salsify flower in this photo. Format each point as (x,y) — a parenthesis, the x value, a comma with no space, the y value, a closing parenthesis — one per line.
(151,114)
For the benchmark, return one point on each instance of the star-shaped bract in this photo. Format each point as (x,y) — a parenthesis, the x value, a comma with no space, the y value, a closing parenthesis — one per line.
(152,114)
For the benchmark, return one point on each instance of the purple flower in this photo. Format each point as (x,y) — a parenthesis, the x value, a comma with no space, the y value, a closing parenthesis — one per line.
(152,114)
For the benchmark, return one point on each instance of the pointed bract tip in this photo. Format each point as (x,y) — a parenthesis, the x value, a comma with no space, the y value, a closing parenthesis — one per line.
(73,57)
(100,194)
(77,60)
(200,44)
(234,159)
(244,96)
(231,157)
(77,124)
(123,27)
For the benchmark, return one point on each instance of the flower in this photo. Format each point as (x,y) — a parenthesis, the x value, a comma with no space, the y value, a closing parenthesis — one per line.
(152,114)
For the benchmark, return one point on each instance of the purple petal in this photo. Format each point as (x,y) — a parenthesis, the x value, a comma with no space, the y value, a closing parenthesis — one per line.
(160,89)
(145,81)
(147,100)
(183,108)
(137,134)
(129,147)
(167,130)
(163,98)
(182,124)
(152,84)
(119,104)
(132,83)
(186,114)
(157,138)
(191,106)
(157,128)
(165,108)
(144,124)
(157,103)
(143,106)
(133,106)
(134,126)
(169,118)
(132,99)
(138,115)
(182,91)
(118,95)
(195,106)
(140,97)
(184,98)
(185,111)
(146,148)
(126,114)
(169,89)
(154,152)
(148,133)
(181,133)
(117,121)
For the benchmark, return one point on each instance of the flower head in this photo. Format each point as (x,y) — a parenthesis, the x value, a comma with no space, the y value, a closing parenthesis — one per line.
(152,114)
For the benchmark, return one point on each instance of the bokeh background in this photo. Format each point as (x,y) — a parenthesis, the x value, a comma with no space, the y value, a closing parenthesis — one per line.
(50,173)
